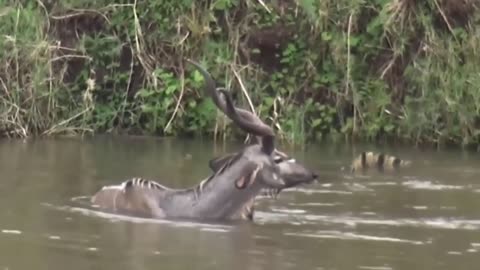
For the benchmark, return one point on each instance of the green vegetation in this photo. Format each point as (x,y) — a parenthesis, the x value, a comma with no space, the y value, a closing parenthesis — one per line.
(371,70)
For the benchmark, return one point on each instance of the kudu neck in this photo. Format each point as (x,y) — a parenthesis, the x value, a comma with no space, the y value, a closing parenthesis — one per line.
(219,197)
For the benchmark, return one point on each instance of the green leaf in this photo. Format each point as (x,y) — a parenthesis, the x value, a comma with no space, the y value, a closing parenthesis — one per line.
(171,89)
(388,128)
(268,101)
(192,103)
(316,122)
(197,77)
(354,41)
(146,108)
(144,93)
(326,36)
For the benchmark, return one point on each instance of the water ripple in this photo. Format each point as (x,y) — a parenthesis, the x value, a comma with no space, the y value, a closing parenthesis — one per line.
(353,236)
(118,217)
(435,223)
(429,185)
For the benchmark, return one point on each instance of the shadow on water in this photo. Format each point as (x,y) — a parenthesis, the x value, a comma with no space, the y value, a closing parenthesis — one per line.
(425,217)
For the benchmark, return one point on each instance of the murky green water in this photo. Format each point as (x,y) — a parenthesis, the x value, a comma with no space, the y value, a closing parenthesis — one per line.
(424,218)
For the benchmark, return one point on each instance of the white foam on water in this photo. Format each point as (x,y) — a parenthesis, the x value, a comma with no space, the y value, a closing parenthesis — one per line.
(353,236)
(420,207)
(320,191)
(381,184)
(315,204)
(214,230)
(288,211)
(358,187)
(375,267)
(12,231)
(429,185)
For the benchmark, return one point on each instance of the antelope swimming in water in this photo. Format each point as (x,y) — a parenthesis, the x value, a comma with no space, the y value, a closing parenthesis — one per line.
(226,194)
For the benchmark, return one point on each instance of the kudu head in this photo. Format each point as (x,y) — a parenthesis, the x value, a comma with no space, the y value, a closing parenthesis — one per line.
(292,172)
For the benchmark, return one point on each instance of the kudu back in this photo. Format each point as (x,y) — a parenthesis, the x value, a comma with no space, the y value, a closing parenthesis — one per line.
(221,196)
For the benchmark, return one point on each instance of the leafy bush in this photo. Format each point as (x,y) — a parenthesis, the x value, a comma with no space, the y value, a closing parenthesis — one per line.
(379,69)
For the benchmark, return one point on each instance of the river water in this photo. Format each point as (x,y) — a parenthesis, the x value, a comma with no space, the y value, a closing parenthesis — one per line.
(425,217)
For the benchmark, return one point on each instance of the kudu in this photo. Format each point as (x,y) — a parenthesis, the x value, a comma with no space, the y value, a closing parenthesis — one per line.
(223,195)
(292,172)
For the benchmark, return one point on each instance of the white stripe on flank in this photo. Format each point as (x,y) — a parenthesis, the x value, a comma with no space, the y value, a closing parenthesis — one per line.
(117,187)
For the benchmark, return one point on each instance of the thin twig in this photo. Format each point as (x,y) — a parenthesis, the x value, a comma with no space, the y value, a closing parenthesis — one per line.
(129,83)
(347,83)
(139,39)
(244,90)
(264,6)
(182,82)
(56,47)
(389,66)
(53,59)
(46,12)
(445,19)
(52,129)
(23,131)
(4,87)
(80,13)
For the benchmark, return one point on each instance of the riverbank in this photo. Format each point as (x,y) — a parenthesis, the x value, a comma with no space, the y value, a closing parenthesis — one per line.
(382,70)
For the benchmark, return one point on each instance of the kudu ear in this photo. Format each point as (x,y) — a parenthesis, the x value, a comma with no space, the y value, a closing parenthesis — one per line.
(247,179)
(217,163)
(242,182)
